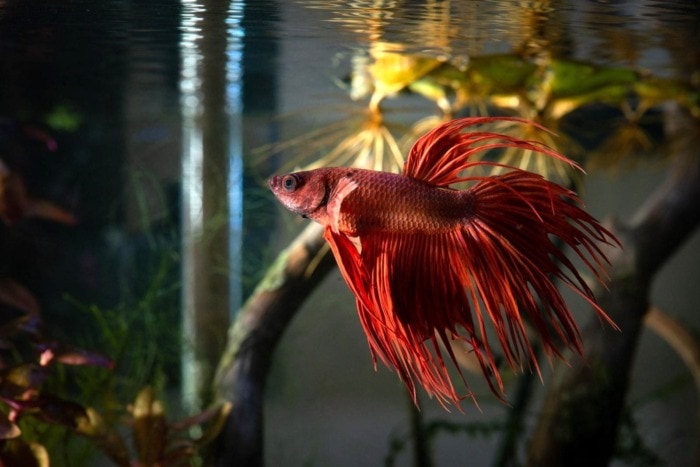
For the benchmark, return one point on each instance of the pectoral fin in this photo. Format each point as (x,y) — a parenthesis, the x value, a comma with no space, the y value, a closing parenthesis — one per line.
(343,188)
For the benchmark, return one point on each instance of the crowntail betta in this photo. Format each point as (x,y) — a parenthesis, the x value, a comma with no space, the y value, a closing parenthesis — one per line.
(428,263)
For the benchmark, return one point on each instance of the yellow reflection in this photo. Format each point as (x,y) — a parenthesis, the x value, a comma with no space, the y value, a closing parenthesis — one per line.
(364,141)
(433,50)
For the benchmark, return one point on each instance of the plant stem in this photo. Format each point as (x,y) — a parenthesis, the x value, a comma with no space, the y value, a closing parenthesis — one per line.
(421,440)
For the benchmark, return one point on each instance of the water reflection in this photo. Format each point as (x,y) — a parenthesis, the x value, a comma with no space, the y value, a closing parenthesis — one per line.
(535,70)
(212,186)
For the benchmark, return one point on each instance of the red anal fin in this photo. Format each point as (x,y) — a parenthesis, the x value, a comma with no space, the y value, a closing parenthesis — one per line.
(410,302)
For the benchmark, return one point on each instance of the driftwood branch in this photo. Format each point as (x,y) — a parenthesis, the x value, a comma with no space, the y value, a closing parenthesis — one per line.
(679,336)
(582,410)
(252,341)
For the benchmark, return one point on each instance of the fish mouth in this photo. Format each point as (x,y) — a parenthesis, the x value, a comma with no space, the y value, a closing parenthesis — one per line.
(274,181)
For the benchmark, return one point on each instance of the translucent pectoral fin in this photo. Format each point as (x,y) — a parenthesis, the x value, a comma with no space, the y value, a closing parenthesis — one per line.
(343,188)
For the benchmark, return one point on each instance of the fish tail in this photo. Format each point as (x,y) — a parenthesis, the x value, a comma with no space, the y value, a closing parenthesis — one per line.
(510,257)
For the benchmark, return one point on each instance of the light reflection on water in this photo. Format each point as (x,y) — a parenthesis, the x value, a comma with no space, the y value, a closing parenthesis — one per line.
(464,57)
(615,33)
(212,169)
(192,192)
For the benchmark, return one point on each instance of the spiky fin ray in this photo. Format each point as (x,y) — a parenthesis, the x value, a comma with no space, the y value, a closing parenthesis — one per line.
(393,299)
(439,156)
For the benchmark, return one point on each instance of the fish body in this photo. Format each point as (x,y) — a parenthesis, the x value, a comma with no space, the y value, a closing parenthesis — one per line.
(359,201)
(429,263)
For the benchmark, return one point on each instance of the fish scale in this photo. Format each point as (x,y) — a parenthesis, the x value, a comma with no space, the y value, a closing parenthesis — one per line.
(393,203)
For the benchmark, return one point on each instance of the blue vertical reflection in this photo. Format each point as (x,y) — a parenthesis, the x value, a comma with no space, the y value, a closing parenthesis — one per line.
(234,101)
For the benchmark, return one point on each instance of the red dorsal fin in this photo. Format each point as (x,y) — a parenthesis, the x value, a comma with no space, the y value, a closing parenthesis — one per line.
(439,156)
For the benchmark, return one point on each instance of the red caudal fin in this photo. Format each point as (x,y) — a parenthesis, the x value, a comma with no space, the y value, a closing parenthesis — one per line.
(511,254)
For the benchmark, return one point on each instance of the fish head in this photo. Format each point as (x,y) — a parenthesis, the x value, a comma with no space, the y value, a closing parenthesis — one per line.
(301,192)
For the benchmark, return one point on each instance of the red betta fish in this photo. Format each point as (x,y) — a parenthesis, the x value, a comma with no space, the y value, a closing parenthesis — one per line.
(428,263)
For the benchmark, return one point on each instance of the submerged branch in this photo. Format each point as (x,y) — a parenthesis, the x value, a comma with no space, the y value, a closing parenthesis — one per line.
(253,338)
(680,336)
(581,413)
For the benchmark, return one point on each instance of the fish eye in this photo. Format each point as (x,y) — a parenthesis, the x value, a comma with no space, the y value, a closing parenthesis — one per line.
(289,182)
